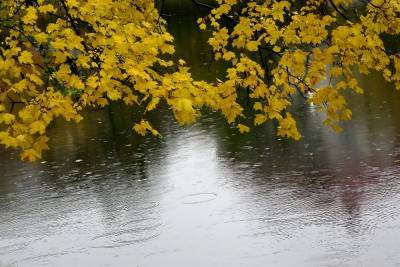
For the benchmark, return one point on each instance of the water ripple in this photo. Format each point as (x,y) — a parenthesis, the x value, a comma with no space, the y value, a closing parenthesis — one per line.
(198,198)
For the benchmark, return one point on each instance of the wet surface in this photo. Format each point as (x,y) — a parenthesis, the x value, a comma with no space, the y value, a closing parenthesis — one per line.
(206,195)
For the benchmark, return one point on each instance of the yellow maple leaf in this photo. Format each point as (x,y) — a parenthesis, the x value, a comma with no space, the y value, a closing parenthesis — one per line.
(30,16)
(7,118)
(25,57)
(243,128)
(30,155)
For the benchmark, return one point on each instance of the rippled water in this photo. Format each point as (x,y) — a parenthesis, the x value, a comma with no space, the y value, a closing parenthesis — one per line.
(208,196)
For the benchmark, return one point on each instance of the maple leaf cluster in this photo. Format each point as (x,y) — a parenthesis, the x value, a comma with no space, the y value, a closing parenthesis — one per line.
(58,58)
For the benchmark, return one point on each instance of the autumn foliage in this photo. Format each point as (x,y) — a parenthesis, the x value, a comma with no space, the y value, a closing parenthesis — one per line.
(58,58)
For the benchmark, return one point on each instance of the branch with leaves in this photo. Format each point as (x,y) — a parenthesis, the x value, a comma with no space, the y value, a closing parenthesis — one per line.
(59,58)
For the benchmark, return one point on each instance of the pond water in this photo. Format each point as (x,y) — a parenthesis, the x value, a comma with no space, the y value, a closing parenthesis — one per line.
(205,195)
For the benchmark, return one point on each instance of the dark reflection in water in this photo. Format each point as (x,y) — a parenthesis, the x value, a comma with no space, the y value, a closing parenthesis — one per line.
(208,196)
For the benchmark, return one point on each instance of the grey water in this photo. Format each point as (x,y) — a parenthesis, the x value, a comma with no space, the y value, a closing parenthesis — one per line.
(206,195)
